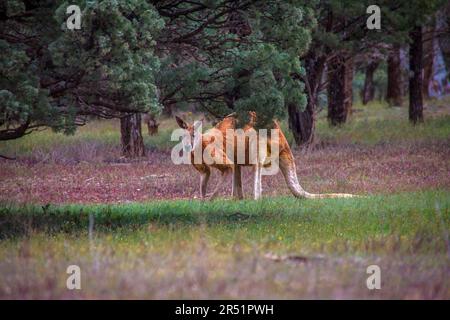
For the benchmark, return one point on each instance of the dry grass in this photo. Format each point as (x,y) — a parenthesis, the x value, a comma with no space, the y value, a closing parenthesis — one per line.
(355,169)
(196,269)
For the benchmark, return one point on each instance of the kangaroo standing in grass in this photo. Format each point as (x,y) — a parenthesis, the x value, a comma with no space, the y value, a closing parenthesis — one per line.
(277,149)
(203,141)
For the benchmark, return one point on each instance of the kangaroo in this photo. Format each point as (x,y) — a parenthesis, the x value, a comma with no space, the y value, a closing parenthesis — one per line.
(283,156)
(225,166)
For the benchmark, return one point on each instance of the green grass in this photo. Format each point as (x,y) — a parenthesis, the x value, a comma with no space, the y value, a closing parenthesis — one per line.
(377,123)
(286,222)
(103,133)
(192,249)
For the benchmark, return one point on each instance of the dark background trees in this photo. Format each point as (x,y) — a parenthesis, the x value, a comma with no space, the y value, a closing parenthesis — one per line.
(341,38)
(415,79)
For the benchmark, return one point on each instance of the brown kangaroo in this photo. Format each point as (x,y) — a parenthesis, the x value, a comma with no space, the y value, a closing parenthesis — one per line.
(282,155)
(225,166)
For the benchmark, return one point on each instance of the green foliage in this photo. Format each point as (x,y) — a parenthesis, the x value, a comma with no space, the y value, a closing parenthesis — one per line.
(114,46)
(51,75)
(349,29)
(130,56)
(22,98)
(270,86)
(252,67)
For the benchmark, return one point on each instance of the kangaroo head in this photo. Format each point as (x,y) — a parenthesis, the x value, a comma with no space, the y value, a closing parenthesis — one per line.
(193,133)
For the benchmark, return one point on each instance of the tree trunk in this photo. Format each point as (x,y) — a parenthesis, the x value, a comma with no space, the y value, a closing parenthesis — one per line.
(340,78)
(131,136)
(349,86)
(428,58)
(369,90)
(444,40)
(415,78)
(394,94)
(168,109)
(302,123)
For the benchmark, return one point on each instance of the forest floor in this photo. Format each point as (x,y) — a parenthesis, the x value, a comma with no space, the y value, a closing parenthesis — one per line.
(151,240)
(350,169)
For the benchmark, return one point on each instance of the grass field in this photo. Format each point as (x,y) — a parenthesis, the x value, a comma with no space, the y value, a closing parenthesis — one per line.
(185,249)
(150,239)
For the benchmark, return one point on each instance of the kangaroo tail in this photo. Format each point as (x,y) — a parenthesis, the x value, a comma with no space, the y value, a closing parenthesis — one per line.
(287,166)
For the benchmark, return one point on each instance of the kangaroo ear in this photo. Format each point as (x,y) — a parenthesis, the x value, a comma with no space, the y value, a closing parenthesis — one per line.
(181,122)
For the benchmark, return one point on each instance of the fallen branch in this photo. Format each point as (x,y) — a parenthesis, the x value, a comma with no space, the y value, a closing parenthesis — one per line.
(7,158)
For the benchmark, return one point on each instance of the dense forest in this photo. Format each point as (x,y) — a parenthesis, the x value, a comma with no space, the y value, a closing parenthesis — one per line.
(279,58)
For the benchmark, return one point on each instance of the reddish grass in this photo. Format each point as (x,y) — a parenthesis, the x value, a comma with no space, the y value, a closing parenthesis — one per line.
(356,169)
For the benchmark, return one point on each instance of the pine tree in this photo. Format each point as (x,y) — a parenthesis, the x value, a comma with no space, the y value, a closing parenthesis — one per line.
(234,56)
(55,77)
